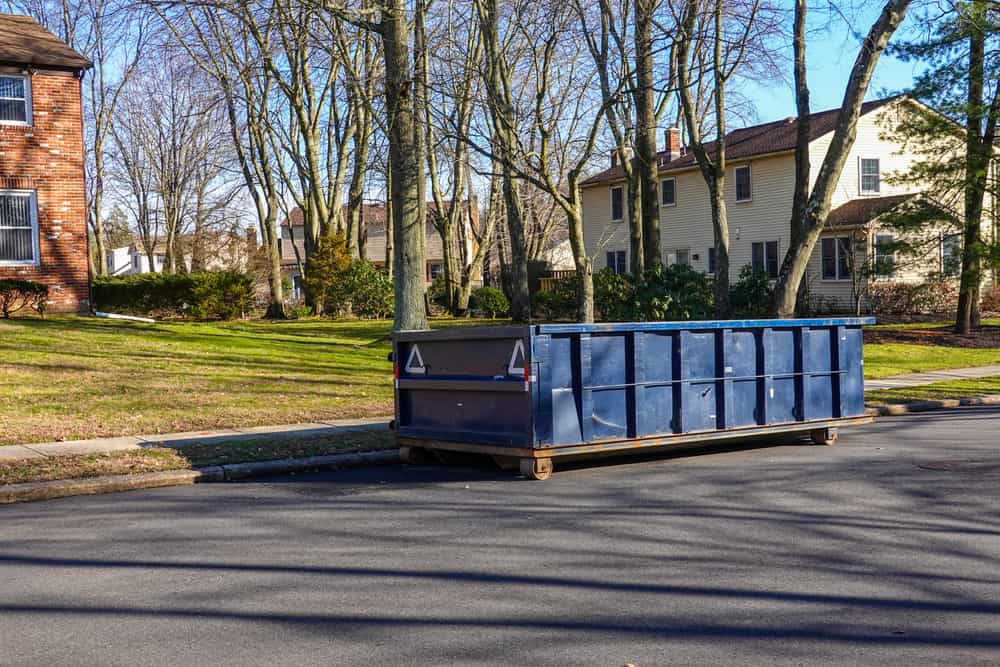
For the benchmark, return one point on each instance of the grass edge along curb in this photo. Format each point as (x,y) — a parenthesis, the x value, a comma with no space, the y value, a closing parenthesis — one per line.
(930,406)
(88,486)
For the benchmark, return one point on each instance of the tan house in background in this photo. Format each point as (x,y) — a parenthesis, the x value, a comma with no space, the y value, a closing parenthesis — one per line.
(759,188)
(374,246)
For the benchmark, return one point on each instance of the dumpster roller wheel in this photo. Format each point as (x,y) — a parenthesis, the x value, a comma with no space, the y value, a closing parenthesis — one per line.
(540,469)
(413,456)
(824,436)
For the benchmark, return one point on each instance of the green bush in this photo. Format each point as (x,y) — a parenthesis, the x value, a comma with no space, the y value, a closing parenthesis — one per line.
(490,301)
(750,296)
(664,293)
(556,303)
(223,295)
(324,269)
(205,295)
(17,294)
(673,293)
(361,289)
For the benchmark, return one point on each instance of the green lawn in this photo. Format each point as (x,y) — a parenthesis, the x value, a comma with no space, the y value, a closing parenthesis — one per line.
(937,391)
(68,378)
(886,359)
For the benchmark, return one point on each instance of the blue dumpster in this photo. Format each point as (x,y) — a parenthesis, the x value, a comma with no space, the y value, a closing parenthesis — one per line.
(528,394)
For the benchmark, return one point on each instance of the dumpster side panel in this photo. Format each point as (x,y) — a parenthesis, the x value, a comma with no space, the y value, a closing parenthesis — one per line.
(655,370)
(743,388)
(473,389)
(852,384)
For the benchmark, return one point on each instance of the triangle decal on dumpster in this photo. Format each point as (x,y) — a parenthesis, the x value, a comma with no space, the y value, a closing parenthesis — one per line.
(517,360)
(415,364)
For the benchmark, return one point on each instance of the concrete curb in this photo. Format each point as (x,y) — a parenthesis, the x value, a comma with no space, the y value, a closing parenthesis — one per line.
(931,406)
(64,488)
(89,486)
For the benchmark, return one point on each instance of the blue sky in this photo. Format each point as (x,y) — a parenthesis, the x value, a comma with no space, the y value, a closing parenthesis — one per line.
(831,54)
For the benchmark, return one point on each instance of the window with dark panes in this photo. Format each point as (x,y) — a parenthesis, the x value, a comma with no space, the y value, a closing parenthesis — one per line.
(668,192)
(14,96)
(17,228)
(828,250)
(870,180)
(744,187)
(617,262)
(711,260)
(772,259)
(617,203)
(757,256)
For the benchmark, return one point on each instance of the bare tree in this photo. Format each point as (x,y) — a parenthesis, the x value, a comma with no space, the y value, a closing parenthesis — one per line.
(811,205)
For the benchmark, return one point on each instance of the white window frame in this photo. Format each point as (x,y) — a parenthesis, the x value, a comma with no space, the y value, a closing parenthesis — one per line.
(736,189)
(33,212)
(777,256)
(673,203)
(673,253)
(623,254)
(836,259)
(876,256)
(861,177)
(611,203)
(28,120)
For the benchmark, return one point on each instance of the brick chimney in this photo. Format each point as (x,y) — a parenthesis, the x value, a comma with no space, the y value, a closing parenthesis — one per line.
(616,155)
(672,147)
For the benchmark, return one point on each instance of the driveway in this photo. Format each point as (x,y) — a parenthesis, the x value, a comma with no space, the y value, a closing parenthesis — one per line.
(884,549)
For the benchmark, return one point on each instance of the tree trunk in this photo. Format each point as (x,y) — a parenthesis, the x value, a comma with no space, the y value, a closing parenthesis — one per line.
(806,230)
(645,131)
(977,158)
(634,215)
(406,165)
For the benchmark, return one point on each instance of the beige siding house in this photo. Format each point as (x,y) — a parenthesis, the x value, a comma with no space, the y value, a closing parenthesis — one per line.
(761,165)
(374,246)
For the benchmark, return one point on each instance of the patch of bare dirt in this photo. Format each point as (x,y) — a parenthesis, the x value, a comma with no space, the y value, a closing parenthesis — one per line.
(983,338)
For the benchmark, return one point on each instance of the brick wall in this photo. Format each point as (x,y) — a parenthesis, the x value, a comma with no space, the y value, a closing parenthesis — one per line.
(47,158)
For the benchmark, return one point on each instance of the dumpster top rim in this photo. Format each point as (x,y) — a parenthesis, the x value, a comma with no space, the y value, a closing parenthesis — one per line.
(704,324)
(516,331)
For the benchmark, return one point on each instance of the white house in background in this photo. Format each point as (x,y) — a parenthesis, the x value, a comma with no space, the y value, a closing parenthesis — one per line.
(223,250)
(131,259)
(760,182)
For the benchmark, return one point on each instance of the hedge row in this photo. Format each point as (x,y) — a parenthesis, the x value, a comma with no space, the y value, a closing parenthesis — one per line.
(209,295)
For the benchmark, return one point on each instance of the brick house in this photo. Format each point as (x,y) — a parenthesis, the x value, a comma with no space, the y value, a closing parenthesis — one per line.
(43,205)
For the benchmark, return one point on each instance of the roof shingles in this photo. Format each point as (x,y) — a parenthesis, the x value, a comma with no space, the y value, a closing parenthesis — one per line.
(24,42)
(774,137)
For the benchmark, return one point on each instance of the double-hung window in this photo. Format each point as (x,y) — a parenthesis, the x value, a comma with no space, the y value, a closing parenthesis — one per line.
(18,228)
(835,257)
(951,255)
(744,184)
(668,192)
(885,256)
(617,203)
(870,179)
(617,262)
(15,100)
(764,257)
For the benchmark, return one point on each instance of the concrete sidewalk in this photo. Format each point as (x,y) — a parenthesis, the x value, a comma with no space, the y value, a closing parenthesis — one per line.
(179,440)
(930,377)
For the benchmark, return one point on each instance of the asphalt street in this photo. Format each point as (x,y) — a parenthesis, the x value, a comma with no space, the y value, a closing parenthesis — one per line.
(884,549)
